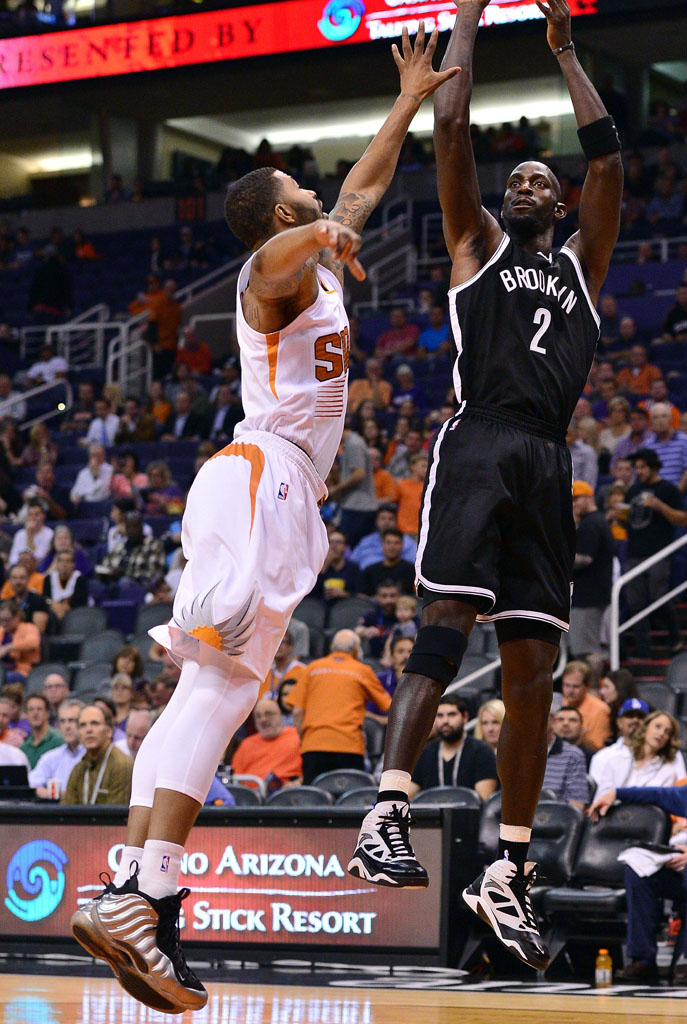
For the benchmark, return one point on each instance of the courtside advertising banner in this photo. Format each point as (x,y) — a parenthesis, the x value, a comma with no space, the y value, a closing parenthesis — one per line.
(280,885)
(233,33)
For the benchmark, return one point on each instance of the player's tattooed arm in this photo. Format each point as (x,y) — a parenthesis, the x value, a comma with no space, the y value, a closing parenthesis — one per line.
(353,209)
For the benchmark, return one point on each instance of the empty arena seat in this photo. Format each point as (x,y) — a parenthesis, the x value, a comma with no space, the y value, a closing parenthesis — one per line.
(659,696)
(312,612)
(362,798)
(103,646)
(341,780)
(449,796)
(300,796)
(93,677)
(83,622)
(347,613)
(244,796)
(153,615)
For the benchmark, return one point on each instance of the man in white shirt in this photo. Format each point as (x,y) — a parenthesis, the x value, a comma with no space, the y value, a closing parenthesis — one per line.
(17,411)
(93,481)
(611,766)
(48,367)
(35,537)
(103,427)
(58,763)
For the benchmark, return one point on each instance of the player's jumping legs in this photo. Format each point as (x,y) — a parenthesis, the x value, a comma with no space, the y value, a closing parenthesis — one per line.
(500,896)
(384,853)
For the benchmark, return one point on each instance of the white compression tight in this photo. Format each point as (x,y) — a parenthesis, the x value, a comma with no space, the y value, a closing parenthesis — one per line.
(182,750)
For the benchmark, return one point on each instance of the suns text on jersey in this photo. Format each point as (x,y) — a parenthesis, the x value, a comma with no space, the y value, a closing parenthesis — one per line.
(538,281)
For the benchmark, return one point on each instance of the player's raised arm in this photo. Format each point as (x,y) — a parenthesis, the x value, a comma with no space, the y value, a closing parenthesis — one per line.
(367,182)
(279,265)
(599,216)
(465,220)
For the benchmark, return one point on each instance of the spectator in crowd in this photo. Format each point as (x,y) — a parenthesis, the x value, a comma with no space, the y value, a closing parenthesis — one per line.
(104,426)
(592,572)
(285,666)
(401,338)
(637,377)
(83,247)
(399,462)
(83,410)
(339,576)
(59,762)
(406,622)
(103,775)
(47,368)
(409,495)
(139,558)
(164,317)
(53,498)
(405,389)
(610,321)
(568,725)
(595,712)
(618,424)
(183,422)
(35,583)
(32,606)
(372,387)
(655,510)
(615,688)
(566,765)
(10,400)
(122,691)
(601,410)
(611,766)
(157,405)
(20,642)
(329,707)
(455,758)
(138,725)
(42,737)
(63,540)
(93,481)
(655,746)
(161,691)
(669,445)
(40,447)
(584,459)
(65,587)
(658,395)
(377,624)
(646,893)
(666,205)
(489,721)
(128,481)
(355,491)
(675,324)
(227,413)
(10,755)
(639,437)
(435,339)
(56,689)
(385,485)
(116,193)
(399,652)
(9,733)
(11,450)
(163,496)
(35,536)
(134,424)
(18,723)
(196,354)
(273,752)
(392,567)
(129,661)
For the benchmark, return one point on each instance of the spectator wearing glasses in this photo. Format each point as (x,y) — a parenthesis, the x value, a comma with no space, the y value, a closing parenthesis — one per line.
(58,763)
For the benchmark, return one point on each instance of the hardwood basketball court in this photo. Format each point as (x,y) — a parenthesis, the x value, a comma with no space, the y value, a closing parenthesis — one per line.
(34,999)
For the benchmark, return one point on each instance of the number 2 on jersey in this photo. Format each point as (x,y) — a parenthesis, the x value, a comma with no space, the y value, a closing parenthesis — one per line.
(542,317)
(331,355)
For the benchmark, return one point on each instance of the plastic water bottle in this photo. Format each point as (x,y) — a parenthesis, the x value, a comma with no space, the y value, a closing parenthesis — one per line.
(603,973)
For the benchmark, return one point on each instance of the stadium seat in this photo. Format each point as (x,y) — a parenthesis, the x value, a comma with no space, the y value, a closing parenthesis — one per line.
(449,796)
(83,621)
(374,733)
(347,613)
(676,679)
(121,615)
(362,798)
(153,615)
(103,646)
(244,796)
(300,796)
(312,612)
(37,675)
(341,780)
(658,696)
(93,677)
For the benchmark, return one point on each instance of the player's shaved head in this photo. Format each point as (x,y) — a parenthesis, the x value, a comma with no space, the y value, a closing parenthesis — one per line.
(249,206)
(529,167)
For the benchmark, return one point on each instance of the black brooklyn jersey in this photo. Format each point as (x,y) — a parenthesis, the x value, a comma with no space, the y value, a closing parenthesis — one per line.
(525,331)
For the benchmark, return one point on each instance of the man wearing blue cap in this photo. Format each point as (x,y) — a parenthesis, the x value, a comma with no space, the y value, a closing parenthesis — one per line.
(611,766)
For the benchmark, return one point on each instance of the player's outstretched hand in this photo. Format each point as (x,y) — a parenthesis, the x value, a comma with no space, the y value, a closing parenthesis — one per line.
(599,807)
(418,77)
(557,14)
(344,244)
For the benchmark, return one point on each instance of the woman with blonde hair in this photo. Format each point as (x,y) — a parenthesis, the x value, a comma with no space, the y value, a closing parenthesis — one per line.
(489,721)
(40,448)
(655,746)
(618,425)
(589,432)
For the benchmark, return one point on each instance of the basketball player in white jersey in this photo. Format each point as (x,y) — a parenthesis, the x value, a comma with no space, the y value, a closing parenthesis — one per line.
(252,532)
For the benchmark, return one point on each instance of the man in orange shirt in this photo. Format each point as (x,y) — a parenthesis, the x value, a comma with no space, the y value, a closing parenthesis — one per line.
(409,495)
(329,707)
(275,749)
(372,386)
(20,642)
(637,377)
(195,353)
(658,395)
(164,315)
(385,485)
(596,714)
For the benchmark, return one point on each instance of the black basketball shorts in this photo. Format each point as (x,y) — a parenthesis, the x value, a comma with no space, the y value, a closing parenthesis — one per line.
(496,525)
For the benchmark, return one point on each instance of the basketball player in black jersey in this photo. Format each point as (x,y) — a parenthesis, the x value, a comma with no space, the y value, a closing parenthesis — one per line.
(496,534)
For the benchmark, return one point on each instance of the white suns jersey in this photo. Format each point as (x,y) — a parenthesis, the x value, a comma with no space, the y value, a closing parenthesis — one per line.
(294,383)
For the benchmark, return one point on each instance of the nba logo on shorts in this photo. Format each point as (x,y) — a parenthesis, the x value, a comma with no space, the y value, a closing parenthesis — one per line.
(164,866)
(283,492)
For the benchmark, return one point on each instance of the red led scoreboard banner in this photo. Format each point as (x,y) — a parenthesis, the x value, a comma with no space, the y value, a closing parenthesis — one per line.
(275,885)
(233,33)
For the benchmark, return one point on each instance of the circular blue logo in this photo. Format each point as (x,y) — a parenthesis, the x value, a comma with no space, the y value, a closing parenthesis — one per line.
(340,19)
(27,871)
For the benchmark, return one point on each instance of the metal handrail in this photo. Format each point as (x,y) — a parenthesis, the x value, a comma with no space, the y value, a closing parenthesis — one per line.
(24,396)
(616,626)
(458,684)
(188,292)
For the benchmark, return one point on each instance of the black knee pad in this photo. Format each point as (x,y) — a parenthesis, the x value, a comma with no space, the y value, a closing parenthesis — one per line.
(437,653)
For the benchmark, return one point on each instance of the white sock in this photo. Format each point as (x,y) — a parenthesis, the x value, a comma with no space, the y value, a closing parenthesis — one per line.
(130,855)
(395,781)
(160,868)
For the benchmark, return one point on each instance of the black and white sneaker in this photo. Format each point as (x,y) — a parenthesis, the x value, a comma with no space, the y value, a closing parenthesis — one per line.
(500,896)
(384,854)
